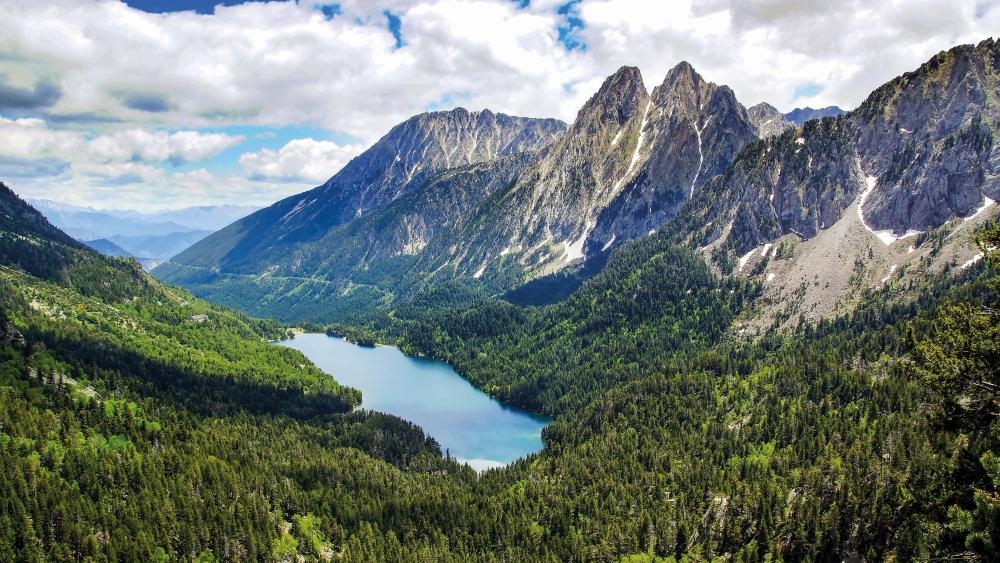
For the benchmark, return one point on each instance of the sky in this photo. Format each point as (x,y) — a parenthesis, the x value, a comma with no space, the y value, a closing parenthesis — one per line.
(162,104)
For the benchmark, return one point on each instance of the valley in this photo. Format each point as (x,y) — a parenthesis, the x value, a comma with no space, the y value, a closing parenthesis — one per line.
(676,329)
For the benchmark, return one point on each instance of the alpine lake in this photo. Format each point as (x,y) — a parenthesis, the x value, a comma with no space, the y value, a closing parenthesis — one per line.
(469,425)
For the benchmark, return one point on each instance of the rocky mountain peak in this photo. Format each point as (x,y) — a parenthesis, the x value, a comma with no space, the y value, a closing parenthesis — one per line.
(768,120)
(617,100)
(691,132)
(927,140)
(681,83)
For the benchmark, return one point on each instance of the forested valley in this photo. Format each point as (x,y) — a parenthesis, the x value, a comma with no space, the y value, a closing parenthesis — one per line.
(140,423)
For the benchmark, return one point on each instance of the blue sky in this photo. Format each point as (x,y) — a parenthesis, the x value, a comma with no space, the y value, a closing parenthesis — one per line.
(162,104)
(165,6)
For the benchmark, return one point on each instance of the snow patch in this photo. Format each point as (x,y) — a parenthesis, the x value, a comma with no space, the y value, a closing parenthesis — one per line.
(971,261)
(701,156)
(904,130)
(638,145)
(479,272)
(774,252)
(887,236)
(763,251)
(746,258)
(505,251)
(618,137)
(986,204)
(910,250)
(892,270)
(800,141)
(608,244)
(574,249)
(652,232)
(770,276)
(295,209)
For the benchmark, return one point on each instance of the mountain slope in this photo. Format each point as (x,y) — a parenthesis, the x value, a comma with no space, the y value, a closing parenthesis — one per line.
(108,248)
(401,161)
(623,168)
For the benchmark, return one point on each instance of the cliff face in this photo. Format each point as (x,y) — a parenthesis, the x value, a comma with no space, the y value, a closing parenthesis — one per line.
(693,132)
(917,153)
(929,139)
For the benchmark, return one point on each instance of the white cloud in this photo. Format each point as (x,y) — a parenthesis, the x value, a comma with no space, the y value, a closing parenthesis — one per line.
(160,146)
(300,160)
(282,63)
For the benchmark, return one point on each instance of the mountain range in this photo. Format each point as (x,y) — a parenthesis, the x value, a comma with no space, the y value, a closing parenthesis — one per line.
(797,361)
(485,202)
(151,237)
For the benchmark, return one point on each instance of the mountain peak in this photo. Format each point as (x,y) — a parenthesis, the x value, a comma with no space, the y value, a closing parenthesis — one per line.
(617,99)
(799,116)
(768,120)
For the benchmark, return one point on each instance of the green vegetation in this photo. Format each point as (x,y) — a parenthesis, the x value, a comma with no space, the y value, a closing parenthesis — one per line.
(135,429)
(352,334)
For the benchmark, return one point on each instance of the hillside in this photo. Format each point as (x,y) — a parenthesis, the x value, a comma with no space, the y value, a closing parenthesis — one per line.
(670,440)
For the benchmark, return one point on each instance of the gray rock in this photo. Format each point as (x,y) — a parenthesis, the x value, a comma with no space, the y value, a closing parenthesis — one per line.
(768,121)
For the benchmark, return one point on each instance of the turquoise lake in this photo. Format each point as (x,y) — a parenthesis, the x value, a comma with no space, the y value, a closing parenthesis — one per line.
(471,425)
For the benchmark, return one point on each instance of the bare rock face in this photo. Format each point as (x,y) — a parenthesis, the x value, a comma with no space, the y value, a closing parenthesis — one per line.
(929,137)
(625,167)
(400,162)
(692,132)
(556,202)
(924,143)
(768,121)
(798,182)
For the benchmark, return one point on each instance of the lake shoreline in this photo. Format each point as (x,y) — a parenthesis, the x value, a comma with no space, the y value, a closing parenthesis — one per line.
(474,427)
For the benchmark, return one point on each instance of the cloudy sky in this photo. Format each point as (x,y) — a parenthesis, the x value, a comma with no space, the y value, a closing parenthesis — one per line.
(153,104)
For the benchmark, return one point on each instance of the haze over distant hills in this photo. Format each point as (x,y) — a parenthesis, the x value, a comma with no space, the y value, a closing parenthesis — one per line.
(151,237)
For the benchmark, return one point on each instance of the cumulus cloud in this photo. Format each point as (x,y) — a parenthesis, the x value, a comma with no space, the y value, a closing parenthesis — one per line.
(31,138)
(160,146)
(119,77)
(300,160)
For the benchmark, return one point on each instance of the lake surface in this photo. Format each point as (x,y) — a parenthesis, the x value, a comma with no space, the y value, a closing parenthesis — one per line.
(471,425)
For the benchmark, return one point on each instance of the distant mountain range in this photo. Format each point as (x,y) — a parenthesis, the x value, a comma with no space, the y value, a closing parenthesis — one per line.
(799,116)
(151,237)
(487,202)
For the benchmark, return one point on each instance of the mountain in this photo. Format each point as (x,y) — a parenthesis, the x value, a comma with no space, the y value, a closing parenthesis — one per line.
(400,162)
(687,158)
(768,120)
(199,217)
(892,187)
(86,222)
(624,167)
(108,248)
(158,246)
(799,116)
(152,237)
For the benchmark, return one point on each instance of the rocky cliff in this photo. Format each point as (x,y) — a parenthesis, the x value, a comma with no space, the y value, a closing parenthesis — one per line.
(918,152)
